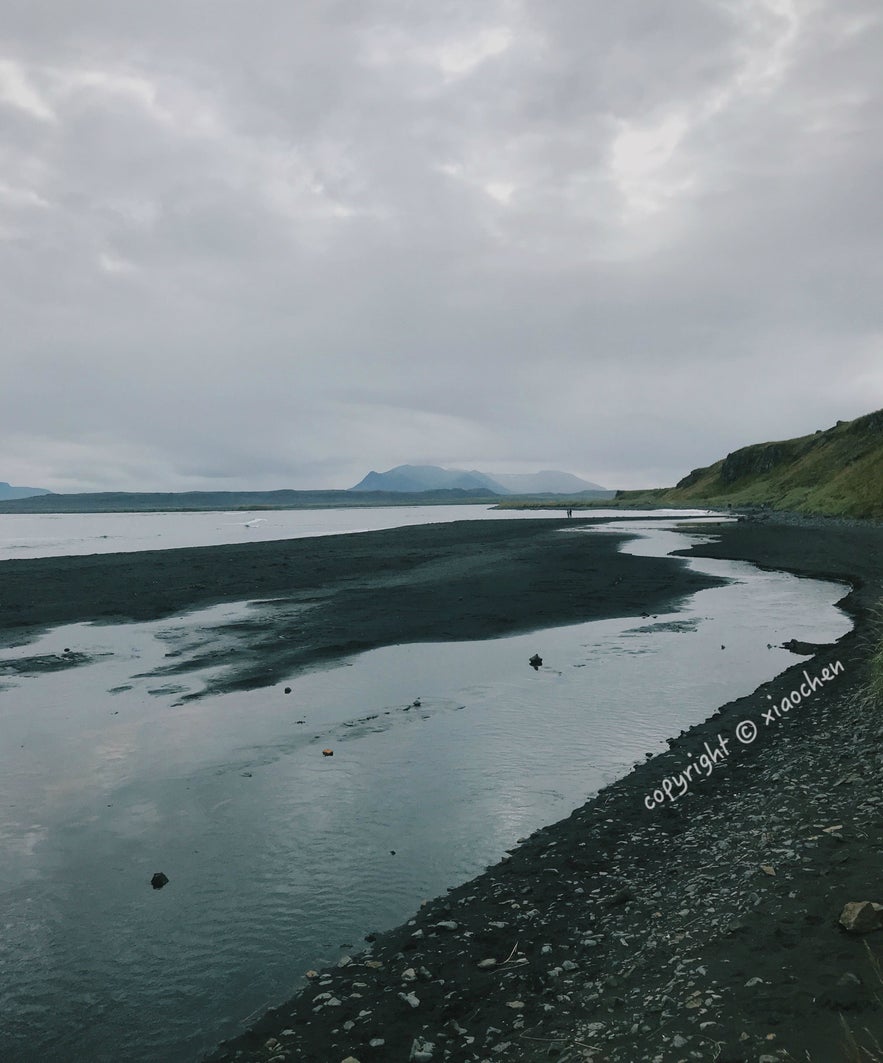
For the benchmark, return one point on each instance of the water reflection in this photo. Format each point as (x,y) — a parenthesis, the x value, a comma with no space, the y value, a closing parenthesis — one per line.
(277,855)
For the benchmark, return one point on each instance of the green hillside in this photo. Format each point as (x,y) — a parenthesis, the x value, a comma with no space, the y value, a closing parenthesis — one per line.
(838,472)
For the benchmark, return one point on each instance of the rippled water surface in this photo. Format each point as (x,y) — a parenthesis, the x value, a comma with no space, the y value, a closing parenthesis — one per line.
(279,857)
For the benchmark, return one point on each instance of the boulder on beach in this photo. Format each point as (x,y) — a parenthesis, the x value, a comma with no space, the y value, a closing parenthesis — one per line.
(861,917)
(159,880)
(846,994)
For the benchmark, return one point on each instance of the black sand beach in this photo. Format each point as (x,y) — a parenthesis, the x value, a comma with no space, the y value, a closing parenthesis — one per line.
(704,929)
(338,595)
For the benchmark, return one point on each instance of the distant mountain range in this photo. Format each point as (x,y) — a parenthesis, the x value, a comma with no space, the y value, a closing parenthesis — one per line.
(838,472)
(548,482)
(407,478)
(8,491)
(226,501)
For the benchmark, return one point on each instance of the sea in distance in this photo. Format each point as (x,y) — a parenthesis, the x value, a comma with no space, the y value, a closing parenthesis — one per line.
(280,859)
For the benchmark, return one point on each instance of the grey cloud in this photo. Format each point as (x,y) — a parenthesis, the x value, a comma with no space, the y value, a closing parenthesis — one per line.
(273,245)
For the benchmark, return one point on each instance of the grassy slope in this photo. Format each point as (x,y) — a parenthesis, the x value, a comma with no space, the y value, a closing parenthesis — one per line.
(837,473)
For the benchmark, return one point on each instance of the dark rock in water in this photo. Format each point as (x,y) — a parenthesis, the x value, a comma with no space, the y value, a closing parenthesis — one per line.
(159,880)
(535,662)
(288,690)
(804,649)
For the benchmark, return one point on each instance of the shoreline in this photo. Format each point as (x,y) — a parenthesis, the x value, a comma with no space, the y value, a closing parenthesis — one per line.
(703,929)
(621,932)
(321,599)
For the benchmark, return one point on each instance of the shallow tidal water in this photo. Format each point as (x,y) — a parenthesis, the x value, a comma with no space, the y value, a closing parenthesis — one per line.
(25,535)
(280,859)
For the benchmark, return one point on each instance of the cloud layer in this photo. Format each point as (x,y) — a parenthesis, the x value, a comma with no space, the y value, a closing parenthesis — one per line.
(276,245)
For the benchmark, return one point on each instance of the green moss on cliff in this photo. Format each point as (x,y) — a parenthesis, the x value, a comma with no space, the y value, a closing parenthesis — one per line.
(838,472)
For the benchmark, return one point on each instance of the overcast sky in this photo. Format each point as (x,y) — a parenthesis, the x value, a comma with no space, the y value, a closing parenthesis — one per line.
(265,243)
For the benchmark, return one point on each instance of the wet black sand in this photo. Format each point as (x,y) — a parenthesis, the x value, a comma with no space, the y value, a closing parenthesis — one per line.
(339,595)
(703,930)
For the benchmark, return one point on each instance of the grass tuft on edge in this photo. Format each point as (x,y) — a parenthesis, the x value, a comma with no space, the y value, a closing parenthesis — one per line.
(874,685)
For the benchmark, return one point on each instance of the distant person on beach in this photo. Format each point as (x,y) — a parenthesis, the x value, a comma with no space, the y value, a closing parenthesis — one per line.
(570,513)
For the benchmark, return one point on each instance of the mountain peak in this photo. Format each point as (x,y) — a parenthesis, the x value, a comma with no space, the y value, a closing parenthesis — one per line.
(406,478)
(7,491)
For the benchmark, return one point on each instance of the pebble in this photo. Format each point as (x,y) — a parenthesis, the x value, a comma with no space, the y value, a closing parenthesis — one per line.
(421,1051)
